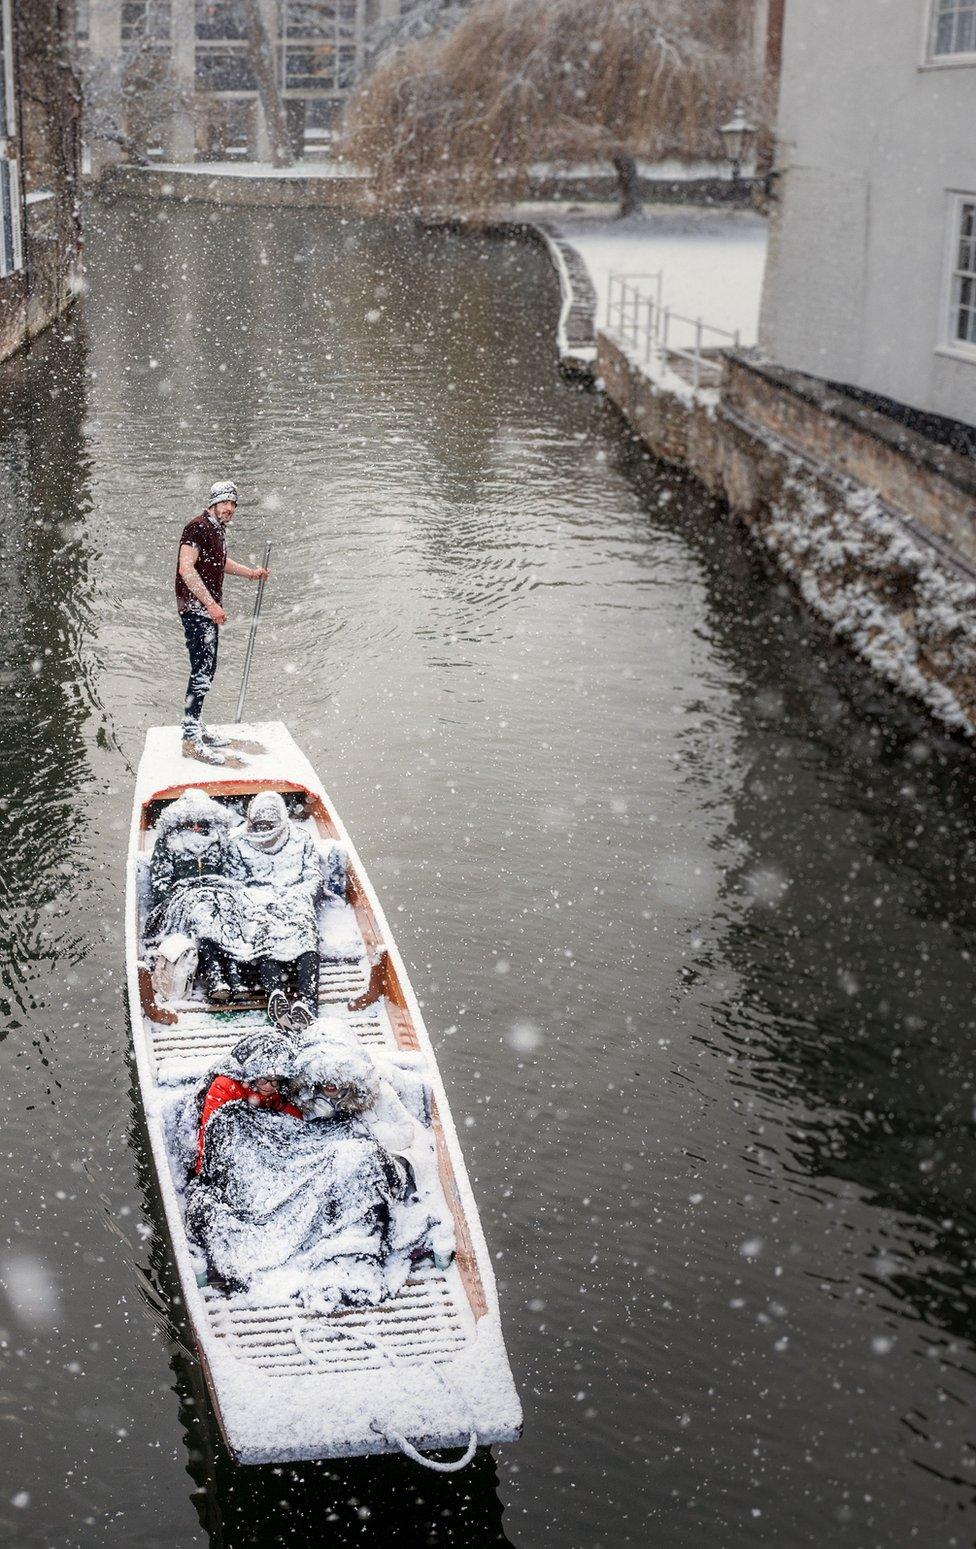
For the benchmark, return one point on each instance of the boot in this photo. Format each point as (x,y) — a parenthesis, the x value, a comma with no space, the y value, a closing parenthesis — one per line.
(278,1011)
(202,753)
(215,985)
(213,739)
(301,1016)
(238,989)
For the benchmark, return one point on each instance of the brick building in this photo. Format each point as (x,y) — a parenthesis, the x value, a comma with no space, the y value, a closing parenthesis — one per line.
(40,140)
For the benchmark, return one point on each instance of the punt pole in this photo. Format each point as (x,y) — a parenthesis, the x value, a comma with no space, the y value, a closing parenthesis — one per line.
(251,637)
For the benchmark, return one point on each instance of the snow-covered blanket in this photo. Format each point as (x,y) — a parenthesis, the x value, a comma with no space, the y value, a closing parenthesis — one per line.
(304,1206)
(248,922)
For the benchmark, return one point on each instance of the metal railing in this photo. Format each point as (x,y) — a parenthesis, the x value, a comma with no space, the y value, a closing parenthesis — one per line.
(628,304)
(661,336)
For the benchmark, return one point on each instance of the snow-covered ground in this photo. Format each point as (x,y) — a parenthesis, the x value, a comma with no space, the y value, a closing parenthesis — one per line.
(256,169)
(712,260)
(670,171)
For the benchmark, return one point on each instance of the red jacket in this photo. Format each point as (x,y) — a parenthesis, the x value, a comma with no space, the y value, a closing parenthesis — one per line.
(225,1089)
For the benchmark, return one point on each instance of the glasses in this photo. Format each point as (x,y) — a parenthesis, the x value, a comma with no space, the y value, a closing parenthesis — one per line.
(264,823)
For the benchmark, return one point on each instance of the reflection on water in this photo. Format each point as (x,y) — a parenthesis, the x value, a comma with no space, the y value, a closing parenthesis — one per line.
(46,669)
(688,902)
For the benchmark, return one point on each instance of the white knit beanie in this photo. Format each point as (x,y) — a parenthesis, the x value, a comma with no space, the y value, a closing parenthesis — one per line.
(224,489)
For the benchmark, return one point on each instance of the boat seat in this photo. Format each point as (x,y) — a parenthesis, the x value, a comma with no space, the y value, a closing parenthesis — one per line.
(340,939)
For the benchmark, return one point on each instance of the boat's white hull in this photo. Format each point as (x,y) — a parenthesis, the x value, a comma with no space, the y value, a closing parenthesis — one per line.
(430,1365)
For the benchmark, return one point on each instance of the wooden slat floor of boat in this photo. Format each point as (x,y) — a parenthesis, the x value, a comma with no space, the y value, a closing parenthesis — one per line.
(339,980)
(342,981)
(429,1320)
(199,1037)
(202,1037)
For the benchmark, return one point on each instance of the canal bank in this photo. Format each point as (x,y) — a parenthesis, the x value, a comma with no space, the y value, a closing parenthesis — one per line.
(871,520)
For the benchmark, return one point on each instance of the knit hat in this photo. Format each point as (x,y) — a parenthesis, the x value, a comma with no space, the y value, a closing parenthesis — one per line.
(263,1054)
(341,1072)
(194,806)
(224,489)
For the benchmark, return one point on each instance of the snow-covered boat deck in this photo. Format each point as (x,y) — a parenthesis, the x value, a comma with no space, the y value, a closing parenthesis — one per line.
(428,1367)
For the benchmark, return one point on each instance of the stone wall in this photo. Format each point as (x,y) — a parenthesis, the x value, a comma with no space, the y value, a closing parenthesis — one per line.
(13,312)
(307,183)
(936,486)
(603,187)
(241,186)
(875,531)
(49,103)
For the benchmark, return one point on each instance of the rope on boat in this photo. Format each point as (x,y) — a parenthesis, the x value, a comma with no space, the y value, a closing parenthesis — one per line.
(365,1342)
(410,1451)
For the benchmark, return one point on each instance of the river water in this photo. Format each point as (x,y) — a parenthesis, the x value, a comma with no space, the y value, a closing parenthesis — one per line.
(688,901)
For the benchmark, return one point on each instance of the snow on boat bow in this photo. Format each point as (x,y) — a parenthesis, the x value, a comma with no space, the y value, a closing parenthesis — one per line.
(425,1369)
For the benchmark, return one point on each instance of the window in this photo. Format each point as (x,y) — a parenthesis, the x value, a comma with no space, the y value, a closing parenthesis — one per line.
(222,20)
(11,255)
(144,22)
(223,59)
(302,19)
(224,69)
(954,27)
(962,298)
(319,51)
(316,46)
(309,67)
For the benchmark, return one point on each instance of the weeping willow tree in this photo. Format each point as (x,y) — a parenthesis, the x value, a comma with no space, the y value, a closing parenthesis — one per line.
(458,120)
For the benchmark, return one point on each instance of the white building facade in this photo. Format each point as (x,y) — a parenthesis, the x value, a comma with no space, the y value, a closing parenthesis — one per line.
(871,276)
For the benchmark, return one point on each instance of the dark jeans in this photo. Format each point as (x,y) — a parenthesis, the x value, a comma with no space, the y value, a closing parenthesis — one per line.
(275,976)
(212,964)
(302,973)
(201,642)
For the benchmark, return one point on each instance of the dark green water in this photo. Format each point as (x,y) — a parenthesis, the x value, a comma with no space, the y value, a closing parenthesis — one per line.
(688,901)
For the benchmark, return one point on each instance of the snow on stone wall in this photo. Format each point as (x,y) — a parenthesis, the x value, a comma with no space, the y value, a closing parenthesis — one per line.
(896,597)
(882,592)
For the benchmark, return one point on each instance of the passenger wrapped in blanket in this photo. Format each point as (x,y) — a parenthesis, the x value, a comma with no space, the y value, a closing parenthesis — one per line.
(332,1206)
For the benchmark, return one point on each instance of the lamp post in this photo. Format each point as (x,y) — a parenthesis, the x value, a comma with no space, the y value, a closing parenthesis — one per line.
(737,137)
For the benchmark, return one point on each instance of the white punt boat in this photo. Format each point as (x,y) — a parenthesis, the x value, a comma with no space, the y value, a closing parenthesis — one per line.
(422,1371)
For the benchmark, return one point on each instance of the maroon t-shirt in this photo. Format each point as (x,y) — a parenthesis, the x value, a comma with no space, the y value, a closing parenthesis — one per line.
(208,537)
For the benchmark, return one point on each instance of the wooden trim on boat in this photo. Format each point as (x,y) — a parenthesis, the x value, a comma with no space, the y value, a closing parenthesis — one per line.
(232,787)
(214,1392)
(148,1002)
(464,1254)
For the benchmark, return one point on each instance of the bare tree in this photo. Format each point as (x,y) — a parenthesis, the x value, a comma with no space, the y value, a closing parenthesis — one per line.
(426,17)
(130,99)
(461,119)
(262,59)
